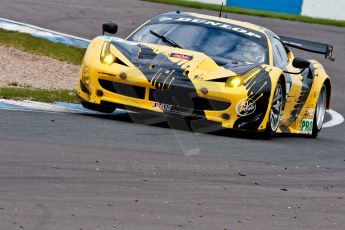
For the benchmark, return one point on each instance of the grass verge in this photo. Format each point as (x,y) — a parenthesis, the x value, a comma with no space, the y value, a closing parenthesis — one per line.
(28,43)
(43,95)
(229,9)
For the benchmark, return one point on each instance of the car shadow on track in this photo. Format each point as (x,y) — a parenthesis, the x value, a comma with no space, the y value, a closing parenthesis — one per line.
(197,126)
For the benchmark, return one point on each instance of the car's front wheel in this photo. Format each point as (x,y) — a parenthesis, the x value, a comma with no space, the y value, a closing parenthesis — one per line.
(275,111)
(320,112)
(98,108)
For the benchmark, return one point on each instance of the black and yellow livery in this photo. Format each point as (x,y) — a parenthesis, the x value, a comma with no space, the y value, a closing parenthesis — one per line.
(237,74)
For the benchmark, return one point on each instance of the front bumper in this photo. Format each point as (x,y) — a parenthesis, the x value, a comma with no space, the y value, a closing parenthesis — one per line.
(208,100)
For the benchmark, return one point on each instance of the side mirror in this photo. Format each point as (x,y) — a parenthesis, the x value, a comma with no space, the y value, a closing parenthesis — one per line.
(300,63)
(110,28)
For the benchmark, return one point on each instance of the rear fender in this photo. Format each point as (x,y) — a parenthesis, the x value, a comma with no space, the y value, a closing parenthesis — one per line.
(293,123)
(320,78)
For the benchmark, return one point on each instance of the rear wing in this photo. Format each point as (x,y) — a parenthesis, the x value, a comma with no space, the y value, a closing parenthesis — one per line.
(314,47)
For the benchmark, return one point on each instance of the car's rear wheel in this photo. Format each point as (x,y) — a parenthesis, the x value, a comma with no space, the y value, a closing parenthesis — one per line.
(98,108)
(275,111)
(320,112)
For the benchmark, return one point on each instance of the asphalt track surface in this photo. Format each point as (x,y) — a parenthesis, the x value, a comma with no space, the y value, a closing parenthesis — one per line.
(69,171)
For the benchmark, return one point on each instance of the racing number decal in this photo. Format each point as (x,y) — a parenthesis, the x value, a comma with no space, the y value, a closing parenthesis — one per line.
(307,126)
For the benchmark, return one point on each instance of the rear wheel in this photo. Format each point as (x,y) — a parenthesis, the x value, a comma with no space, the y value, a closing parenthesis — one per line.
(320,112)
(98,108)
(275,111)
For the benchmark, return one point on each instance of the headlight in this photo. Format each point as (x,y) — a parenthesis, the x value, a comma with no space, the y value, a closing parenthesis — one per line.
(234,82)
(86,75)
(106,56)
(109,59)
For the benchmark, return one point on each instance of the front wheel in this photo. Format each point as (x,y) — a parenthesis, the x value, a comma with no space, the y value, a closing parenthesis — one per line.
(320,112)
(275,111)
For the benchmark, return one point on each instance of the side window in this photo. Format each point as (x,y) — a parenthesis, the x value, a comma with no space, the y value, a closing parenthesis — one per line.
(279,53)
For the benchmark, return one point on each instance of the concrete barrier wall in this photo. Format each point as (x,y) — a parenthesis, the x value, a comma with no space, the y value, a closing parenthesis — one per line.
(330,9)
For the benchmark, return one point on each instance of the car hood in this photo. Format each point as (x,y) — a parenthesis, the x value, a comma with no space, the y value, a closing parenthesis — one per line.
(195,65)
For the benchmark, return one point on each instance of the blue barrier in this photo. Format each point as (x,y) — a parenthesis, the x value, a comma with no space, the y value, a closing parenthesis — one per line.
(281,6)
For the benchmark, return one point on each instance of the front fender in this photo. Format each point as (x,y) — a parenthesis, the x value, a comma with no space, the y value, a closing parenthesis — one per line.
(260,89)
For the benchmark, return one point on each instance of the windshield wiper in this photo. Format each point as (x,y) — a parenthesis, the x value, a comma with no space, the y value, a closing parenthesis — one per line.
(166,40)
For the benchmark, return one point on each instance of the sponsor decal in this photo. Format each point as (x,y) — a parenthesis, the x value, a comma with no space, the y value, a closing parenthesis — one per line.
(212,23)
(307,126)
(245,107)
(164,19)
(181,56)
(162,106)
(309,113)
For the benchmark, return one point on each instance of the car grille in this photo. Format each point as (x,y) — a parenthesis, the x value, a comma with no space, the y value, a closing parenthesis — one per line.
(186,99)
(123,89)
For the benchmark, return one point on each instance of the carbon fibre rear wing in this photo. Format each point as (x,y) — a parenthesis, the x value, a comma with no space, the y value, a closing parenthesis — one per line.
(314,47)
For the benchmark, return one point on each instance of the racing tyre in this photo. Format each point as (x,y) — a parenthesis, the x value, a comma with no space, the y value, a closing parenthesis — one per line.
(275,111)
(98,108)
(319,115)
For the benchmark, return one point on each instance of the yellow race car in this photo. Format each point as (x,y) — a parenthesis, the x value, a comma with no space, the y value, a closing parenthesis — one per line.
(239,75)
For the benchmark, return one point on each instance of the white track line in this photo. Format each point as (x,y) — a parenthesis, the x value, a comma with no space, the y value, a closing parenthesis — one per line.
(39,106)
(336,119)
(45,30)
(33,106)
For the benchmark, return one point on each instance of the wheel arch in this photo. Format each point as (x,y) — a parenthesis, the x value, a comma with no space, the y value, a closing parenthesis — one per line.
(282,79)
(328,86)
(275,74)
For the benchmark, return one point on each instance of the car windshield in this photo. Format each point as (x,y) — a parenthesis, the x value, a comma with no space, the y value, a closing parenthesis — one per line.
(218,43)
